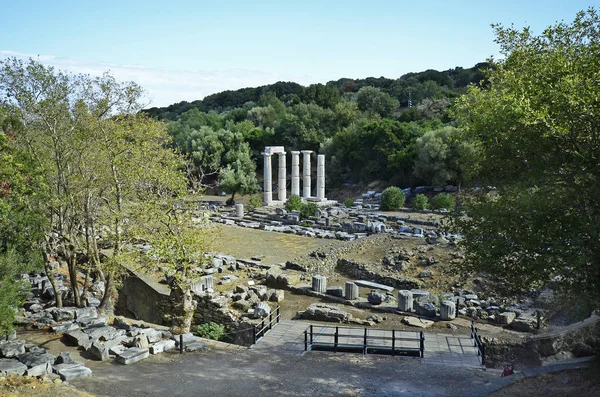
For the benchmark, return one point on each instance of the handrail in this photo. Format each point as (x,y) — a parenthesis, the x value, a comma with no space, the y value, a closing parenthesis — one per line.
(478,343)
(369,342)
(261,329)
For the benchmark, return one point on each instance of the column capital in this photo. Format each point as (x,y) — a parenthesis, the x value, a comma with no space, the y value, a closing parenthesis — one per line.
(307,151)
(266,154)
(281,154)
(295,152)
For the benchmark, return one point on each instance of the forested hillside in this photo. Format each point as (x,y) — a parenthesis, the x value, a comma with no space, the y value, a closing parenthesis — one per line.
(399,131)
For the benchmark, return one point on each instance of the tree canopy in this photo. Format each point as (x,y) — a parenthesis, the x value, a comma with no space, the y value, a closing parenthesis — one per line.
(537,127)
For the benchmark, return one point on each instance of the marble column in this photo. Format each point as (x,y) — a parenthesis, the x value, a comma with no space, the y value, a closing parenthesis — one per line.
(405,300)
(351,291)
(447,310)
(306,190)
(268,185)
(319,284)
(239,210)
(321,177)
(296,173)
(282,179)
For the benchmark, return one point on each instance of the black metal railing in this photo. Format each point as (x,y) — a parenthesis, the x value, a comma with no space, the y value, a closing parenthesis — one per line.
(478,343)
(263,327)
(320,338)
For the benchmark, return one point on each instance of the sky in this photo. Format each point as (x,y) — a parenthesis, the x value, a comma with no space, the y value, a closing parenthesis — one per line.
(184,50)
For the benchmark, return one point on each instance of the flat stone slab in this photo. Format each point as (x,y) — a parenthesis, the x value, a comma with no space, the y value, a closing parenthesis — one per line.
(13,348)
(132,355)
(78,338)
(370,284)
(11,367)
(417,322)
(69,372)
(195,346)
(39,370)
(88,321)
(187,339)
(162,346)
(35,358)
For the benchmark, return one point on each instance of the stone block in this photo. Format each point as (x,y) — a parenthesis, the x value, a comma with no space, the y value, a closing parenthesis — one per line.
(64,358)
(447,310)
(64,314)
(506,318)
(36,358)
(261,310)
(140,341)
(187,338)
(69,372)
(13,348)
(277,295)
(98,351)
(77,338)
(132,355)
(162,346)
(103,333)
(425,309)
(375,298)
(88,322)
(319,284)
(84,312)
(417,322)
(405,300)
(195,346)
(65,327)
(335,291)
(39,370)
(351,291)
(10,366)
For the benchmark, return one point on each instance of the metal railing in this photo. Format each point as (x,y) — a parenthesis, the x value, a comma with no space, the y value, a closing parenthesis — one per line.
(478,343)
(263,327)
(318,338)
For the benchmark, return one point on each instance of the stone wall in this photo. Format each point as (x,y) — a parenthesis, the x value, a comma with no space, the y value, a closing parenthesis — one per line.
(577,340)
(145,299)
(360,271)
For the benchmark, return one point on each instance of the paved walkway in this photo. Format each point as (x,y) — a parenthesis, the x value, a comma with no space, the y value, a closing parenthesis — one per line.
(288,337)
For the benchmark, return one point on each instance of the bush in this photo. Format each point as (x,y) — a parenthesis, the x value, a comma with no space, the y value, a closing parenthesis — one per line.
(308,209)
(348,202)
(442,200)
(210,330)
(255,202)
(421,202)
(294,203)
(392,199)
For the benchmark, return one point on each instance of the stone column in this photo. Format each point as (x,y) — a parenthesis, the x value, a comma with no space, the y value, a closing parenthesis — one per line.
(239,210)
(319,284)
(282,179)
(321,177)
(268,185)
(447,310)
(351,291)
(405,301)
(306,190)
(296,173)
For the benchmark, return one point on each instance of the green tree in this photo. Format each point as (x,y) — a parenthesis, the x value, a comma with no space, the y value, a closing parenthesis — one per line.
(537,128)
(371,99)
(392,199)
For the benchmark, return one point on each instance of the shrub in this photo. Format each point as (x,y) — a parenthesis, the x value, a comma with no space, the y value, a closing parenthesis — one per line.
(308,209)
(294,203)
(348,202)
(442,200)
(392,199)
(421,202)
(255,202)
(210,330)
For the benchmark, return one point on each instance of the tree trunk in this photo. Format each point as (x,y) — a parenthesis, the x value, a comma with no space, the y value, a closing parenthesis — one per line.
(183,307)
(107,304)
(71,263)
(48,269)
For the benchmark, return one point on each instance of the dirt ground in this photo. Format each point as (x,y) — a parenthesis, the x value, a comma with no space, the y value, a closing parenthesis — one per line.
(32,387)
(577,382)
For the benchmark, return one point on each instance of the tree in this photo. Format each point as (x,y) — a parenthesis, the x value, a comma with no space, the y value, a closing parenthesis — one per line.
(392,199)
(371,99)
(445,155)
(537,126)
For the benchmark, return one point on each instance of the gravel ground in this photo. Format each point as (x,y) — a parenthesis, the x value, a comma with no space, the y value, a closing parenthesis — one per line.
(250,373)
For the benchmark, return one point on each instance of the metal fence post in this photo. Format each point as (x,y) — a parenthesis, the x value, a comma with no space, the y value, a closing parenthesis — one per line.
(393,341)
(305,341)
(180,343)
(311,334)
(365,342)
(278,314)
(270,320)
(254,334)
(422,344)
(335,340)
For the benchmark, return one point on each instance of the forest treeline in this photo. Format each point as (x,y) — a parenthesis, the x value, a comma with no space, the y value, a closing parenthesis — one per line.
(400,131)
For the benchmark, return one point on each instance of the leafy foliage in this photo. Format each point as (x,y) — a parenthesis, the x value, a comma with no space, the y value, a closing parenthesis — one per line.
(443,201)
(392,199)
(536,125)
(295,203)
(421,202)
(210,330)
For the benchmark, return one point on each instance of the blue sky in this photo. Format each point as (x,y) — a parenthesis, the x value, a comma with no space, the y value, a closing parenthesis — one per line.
(185,50)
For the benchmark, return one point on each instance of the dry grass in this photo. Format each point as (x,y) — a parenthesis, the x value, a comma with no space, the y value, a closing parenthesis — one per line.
(32,387)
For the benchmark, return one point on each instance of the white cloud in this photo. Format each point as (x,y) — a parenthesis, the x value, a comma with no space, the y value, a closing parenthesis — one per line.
(166,86)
